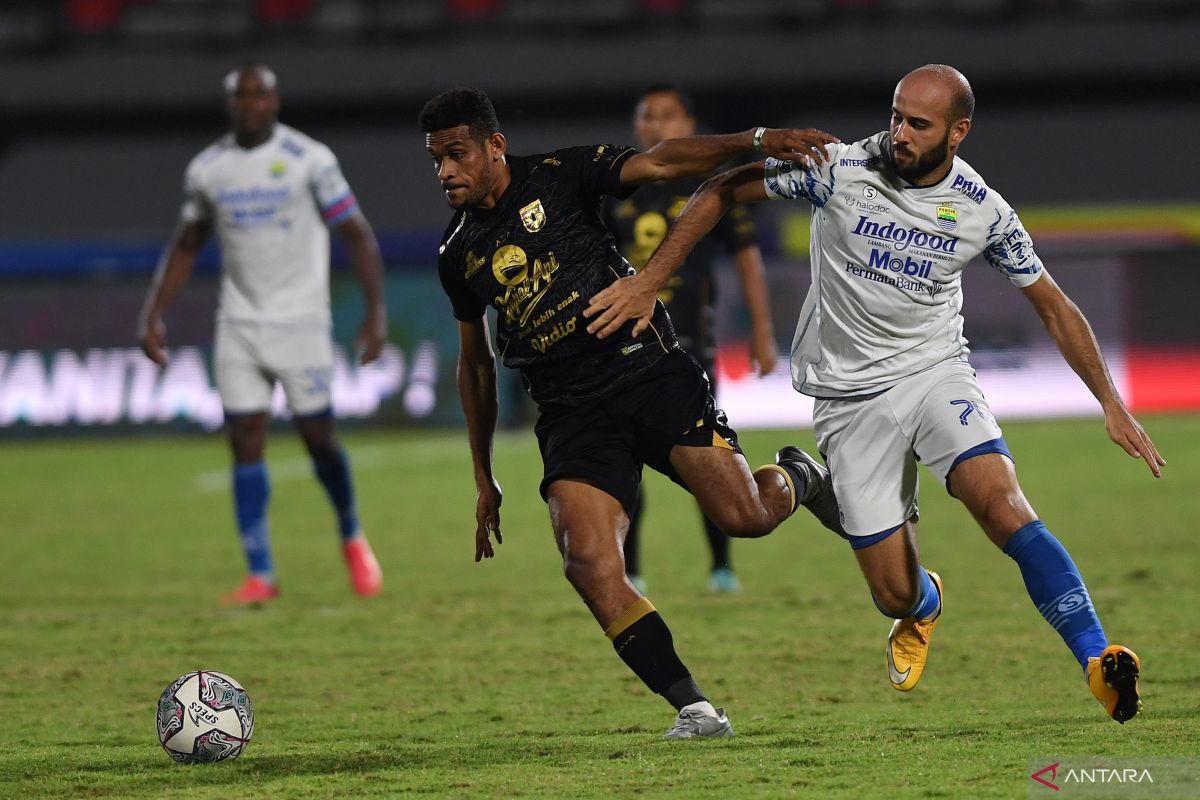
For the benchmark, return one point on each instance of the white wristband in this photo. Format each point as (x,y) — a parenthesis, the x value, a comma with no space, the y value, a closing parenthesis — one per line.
(757,141)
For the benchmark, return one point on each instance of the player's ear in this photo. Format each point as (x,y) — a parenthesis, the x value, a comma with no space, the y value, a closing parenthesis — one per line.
(959,131)
(496,146)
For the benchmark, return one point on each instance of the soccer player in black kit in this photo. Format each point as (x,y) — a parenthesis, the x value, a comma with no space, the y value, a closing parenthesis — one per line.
(640,223)
(527,238)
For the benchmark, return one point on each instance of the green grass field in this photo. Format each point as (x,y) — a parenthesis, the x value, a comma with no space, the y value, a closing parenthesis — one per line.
(492,680)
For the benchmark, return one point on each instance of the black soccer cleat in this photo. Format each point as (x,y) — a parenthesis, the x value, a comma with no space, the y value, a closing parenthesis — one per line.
(818,496)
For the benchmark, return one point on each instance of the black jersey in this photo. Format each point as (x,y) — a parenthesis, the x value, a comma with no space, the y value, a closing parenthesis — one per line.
(538,257)
(640,223)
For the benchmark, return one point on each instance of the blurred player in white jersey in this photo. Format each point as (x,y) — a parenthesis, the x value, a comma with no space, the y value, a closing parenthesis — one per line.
(879,344)
(270,193)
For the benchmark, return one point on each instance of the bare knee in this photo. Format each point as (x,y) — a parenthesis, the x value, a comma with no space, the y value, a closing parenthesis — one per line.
(1002,513)
(742,518)
(896,597)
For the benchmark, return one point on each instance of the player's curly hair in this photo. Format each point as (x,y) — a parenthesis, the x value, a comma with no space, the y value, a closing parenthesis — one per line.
(463,105)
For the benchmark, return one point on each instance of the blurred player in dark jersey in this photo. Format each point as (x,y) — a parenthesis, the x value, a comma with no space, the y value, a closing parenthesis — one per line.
(640,223)
(527,238)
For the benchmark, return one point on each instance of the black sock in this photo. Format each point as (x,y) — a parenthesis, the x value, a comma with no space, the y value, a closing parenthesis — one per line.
(799,482)
(718,545)
(646,647)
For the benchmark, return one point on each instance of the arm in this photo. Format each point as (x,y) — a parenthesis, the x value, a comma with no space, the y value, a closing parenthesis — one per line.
(1071,332)
(363,250)
(752,275)
(477,391)
(173,270)
(697,155)
(633,297)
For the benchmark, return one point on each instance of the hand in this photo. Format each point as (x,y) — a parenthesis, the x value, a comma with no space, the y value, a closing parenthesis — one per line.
(625,299)
(804,145)
(764,353)
(487,519)
(1128,434)
(154,340)
(370,338)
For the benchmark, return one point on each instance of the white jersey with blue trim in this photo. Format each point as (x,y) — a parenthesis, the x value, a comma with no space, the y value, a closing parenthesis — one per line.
(269,207)
(887,261)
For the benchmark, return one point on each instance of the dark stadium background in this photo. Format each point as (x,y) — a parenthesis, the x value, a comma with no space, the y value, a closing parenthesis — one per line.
(1086,120)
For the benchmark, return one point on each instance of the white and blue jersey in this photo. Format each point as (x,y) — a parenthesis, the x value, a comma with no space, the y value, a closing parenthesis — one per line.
(887,261)
(270,206)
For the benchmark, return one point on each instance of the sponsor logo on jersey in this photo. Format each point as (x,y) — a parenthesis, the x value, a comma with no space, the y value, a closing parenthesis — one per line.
(474,264)
(884,260)
(870,192)
(969,188)
(900,239)
(870,208)
(533,216)
(524,284)
(947,217)
(859,162)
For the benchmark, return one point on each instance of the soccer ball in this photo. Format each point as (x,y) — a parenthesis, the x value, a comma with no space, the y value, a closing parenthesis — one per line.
(204,716)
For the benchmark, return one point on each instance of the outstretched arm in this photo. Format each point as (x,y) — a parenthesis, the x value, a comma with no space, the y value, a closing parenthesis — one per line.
(699,155)
(477,391)
(363,250)
(173,270)
(1071,332)
(753,277)
(633,297)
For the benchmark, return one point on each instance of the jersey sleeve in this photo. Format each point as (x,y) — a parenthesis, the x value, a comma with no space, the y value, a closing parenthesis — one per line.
(329,187)
(1009,249)
(736,230)
(598,169)
(791,180)
(195,206)
(467,307)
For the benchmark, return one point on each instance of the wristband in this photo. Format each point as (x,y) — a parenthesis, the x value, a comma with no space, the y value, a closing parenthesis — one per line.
(757,140)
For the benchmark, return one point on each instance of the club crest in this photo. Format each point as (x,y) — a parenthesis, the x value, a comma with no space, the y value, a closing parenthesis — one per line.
(947,217)
(533,216)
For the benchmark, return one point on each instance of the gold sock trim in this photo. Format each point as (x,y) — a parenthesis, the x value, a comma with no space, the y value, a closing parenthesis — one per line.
(787,479)
(640,608)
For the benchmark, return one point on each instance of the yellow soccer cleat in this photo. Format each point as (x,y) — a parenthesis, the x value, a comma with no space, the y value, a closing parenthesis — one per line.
(1113,679)
(908,645)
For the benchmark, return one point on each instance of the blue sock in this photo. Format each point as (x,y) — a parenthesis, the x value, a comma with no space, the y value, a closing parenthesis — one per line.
(335,477)
(930,601)
(251,490)
(1057,589)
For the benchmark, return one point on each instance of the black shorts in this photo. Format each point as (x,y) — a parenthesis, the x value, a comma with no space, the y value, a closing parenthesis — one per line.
(605,443)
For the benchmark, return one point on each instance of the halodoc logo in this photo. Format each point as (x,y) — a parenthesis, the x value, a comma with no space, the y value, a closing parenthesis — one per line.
(1101,776)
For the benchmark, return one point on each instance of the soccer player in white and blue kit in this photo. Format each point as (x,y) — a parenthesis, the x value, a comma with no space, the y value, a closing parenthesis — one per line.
(879,344)
(270,194)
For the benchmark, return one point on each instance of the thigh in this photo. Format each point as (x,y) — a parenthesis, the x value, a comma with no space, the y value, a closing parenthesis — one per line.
(301,357)
(872,463)
(587,446)
(951,420)
(244,385)
(674,408)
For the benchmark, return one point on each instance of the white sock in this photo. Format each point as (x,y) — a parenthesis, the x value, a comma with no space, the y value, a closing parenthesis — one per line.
(703,705)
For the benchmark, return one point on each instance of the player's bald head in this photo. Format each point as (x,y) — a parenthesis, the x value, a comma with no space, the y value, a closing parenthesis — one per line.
(265,75)
(943,86)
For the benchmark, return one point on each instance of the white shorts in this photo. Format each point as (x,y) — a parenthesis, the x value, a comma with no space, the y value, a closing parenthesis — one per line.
(937,417)
(249,357)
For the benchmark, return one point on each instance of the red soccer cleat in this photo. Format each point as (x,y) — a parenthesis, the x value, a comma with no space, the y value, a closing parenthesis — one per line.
(253,591)
(365,575)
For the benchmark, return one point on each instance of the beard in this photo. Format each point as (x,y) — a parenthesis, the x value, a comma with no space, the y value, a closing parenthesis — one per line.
(924,164)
